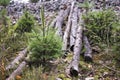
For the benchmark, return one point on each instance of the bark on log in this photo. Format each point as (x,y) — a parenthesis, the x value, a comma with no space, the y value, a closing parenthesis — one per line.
(67,30)
(59,23)
(74,28)
(60,19)
(88,52)
(20,56)
(53,23)
(18,71)
(74,70)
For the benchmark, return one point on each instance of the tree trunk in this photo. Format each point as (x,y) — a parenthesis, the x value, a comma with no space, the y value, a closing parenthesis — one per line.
(67,30)
(74,28)
(88,52)
(59,23)
(74,70)
(60,19)
(20,56)
(18,71)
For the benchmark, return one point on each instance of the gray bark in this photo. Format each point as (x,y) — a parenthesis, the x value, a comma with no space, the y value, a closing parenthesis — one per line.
(74,70)
(60,20)
(15,62)
(18,71)
(67,30)
(74,27)
(59,23)
(88,52)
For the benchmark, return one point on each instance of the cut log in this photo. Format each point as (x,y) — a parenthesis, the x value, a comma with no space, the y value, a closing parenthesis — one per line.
(20,56)
(53,23)
(60,20)
(67,30)
(88,52)
(18,71)
(74,28)
(59,23)
(74,70)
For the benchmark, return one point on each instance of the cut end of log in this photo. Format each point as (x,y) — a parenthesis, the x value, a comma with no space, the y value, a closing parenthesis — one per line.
(88,58)
(72,48)
(73,72)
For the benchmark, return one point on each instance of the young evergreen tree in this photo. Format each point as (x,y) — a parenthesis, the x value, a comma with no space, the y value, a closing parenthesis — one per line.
(4,2)
(25,24)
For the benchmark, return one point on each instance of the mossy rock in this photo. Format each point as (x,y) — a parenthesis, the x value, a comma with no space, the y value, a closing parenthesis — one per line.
(62,76)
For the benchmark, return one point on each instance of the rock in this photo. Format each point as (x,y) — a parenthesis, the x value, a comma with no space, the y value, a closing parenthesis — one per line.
(89,78)
(58,79)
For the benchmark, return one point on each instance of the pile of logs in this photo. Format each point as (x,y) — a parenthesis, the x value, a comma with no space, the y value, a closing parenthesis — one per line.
(72,34)
(18,64)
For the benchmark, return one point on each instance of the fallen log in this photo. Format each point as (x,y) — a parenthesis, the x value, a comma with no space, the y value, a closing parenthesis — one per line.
(67,30)
(74,28)
(74,70)
(60,19)
(15,62)
(88,52)
(18,71)
(59,23)
(53,23)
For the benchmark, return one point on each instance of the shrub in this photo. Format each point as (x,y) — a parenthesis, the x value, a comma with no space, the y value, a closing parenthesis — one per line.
(4,2)
(34,1)
(102,25)
(45,47)
(25,24)
(4,20)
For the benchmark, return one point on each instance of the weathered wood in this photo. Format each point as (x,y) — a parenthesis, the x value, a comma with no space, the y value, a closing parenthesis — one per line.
(74,27)
(60,20)
(20,56)
(88,52)
(77,49)
(53,23)
(18,71)
(67,30)
(59,23)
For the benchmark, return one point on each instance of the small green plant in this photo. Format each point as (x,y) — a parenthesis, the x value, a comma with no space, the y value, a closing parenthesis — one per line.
(25,24)
(102,25)
(86,5)
(34,1)
(33,74)
(3,17)
(4,2)
(46,44)
(47,47)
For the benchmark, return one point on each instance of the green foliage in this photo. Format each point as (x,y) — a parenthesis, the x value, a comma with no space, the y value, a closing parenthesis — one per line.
(102,25)
(3,17)
(34,1)
(87,5)
(4,2)
(46,44)
(45,47)
(25,24)
(33,74)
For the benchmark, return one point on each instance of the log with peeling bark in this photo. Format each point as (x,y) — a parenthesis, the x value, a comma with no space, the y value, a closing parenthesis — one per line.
(88,52)
(74,28)
(73,69)
(18,71)
(20,57)
(59,23)
(53,23)
(67,30)
(60,19)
